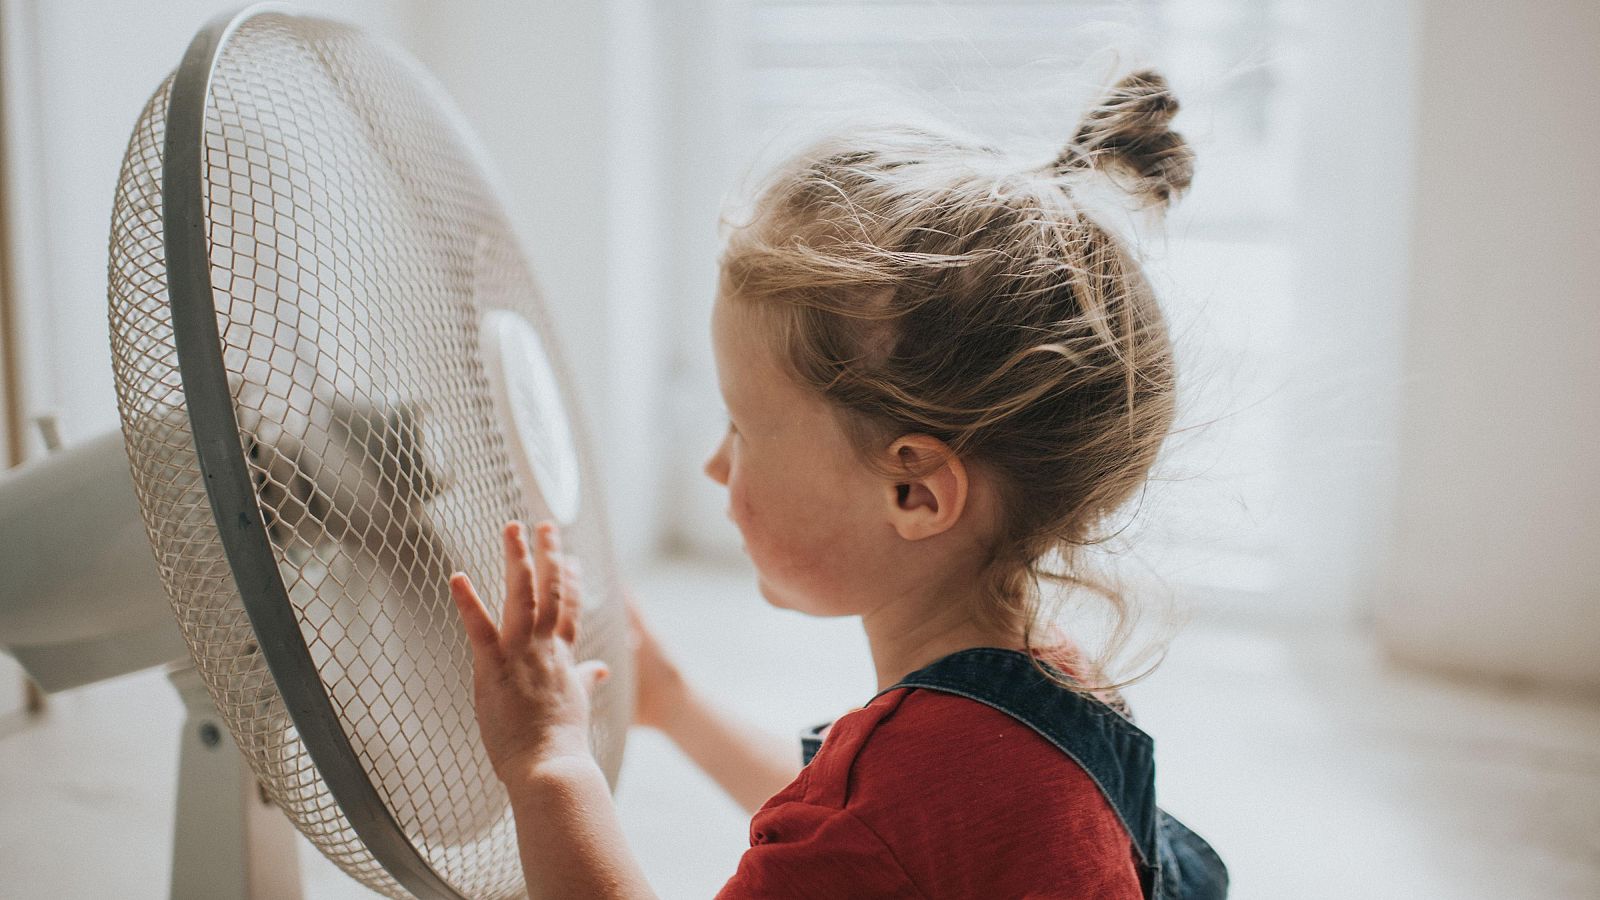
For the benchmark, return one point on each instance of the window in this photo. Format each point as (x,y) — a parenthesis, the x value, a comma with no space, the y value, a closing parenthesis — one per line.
(1019,73)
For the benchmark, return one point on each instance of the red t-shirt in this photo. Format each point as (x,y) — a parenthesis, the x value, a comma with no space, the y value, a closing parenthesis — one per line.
(923,793)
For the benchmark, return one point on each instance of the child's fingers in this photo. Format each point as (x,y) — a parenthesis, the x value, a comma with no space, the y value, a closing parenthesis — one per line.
(480,629)
(567,628)
(517,616)
(547,571)
(591,672)
(571,609)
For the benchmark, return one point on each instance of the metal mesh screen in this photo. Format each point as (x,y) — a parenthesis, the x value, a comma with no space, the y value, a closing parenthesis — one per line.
(355,250)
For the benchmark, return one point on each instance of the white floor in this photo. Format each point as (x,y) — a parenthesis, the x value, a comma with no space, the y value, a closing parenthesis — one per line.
(1315,772)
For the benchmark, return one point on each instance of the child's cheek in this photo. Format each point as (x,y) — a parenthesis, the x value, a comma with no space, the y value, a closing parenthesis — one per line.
(743,513)
(763,529)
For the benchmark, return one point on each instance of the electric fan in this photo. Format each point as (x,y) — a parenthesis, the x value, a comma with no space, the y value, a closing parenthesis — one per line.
(336,381)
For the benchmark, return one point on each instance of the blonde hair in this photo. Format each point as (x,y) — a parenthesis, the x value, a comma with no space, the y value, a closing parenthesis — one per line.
(920,282)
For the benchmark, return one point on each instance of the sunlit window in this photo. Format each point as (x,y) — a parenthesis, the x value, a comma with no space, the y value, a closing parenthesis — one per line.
(1018,74)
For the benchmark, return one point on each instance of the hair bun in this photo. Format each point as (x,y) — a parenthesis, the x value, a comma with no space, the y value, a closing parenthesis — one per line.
(1128,133)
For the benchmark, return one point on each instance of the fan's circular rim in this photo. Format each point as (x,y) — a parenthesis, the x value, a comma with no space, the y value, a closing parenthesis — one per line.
(229,488)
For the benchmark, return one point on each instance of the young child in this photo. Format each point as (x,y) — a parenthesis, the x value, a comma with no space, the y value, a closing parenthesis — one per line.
(939,372)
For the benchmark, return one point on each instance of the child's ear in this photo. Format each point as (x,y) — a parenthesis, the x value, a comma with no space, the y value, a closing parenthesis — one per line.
(931,493)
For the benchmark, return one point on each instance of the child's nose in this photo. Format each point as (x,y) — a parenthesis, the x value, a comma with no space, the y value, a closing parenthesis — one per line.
(716,468)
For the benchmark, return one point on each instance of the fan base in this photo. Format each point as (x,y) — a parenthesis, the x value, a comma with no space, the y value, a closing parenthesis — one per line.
(229,841)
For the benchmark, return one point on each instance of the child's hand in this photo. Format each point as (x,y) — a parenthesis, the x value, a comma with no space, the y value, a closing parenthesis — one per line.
(531,695)
(659,686)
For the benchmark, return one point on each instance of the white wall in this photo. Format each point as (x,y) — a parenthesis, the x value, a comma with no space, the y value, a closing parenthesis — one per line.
(701,72)
(1496,567)
(1353,185)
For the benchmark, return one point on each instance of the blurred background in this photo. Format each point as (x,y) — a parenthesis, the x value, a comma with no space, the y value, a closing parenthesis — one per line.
(1383,531)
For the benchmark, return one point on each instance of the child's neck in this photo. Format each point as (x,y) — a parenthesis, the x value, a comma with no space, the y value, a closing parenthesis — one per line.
(907,635)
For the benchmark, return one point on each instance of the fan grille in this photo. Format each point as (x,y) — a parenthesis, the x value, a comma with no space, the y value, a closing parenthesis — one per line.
(354,249)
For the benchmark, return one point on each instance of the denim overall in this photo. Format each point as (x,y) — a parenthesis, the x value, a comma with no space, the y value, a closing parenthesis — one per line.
(1175,863)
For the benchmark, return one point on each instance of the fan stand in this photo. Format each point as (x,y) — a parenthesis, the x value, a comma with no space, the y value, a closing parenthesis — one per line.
(229,841)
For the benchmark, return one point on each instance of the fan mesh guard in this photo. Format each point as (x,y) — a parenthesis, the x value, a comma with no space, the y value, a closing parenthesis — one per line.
(354,250)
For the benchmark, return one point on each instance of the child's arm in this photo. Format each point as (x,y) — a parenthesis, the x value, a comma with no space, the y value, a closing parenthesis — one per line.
(568,834)
(749,763)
